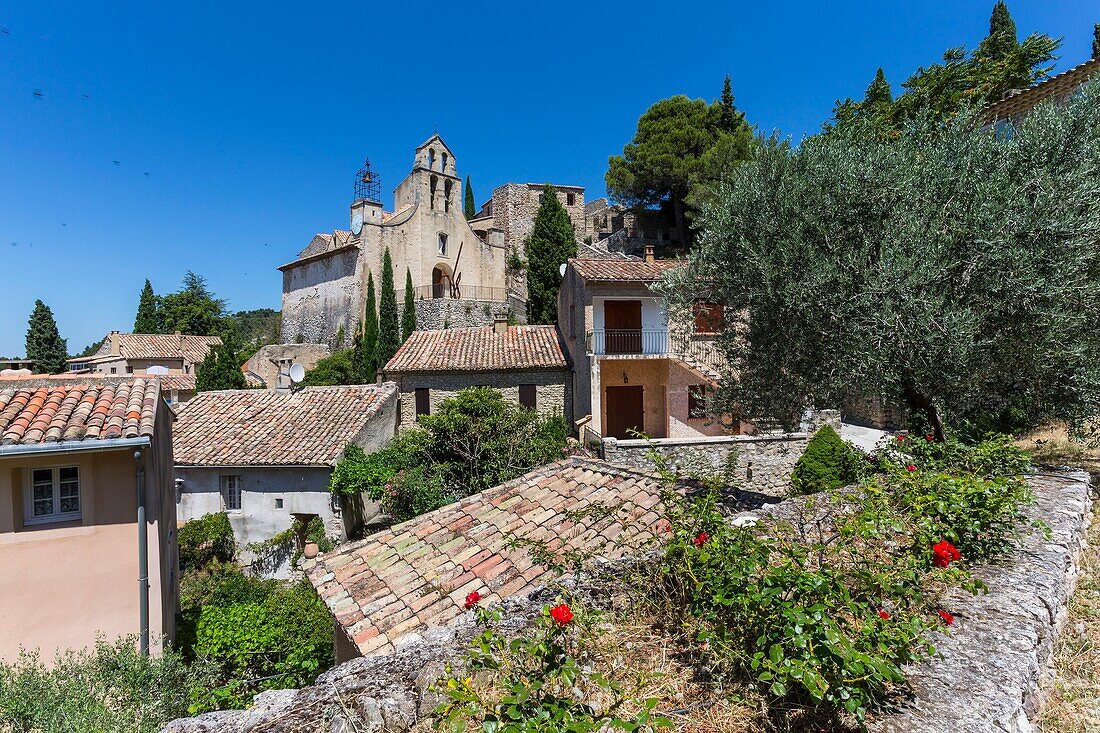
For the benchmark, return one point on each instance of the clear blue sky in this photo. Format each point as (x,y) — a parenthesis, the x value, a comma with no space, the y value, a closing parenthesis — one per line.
(238,127)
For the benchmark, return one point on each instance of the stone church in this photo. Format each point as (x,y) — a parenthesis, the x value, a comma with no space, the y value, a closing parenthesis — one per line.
(459,278)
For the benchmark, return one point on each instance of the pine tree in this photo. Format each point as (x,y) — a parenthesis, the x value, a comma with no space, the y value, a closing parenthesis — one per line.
(146,320)
(408,314)
(389,329)
(1002,39)
(44,343)
(365,354)
(221,368)
(468,205)
(551,243)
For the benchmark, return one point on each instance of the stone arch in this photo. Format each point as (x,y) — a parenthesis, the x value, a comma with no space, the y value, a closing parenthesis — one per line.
(431,158)
(442,282)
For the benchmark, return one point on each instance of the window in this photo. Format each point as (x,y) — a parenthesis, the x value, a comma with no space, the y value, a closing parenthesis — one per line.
(709,317)
(231,493)
(572,321)
(443,162)
(114,370)
(431,158)
(446,193)
(422,401)
(53,495)
(569,199)
(442,244)
(527,395)
(697,401)
(129,369)
(278,503)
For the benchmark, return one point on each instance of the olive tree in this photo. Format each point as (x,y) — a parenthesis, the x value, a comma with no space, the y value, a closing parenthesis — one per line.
(953,269)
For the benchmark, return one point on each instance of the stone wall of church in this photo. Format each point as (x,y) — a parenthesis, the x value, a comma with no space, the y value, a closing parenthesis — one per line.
(320,297)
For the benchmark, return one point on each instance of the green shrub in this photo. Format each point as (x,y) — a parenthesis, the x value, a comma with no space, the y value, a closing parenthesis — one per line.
(274,640)
(473,441)
(827,463)
(539,683)
(205,540)
(111,688)
(996,455)
(337,368)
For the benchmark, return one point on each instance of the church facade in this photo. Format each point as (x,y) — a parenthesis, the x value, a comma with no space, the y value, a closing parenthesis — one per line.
(459,277)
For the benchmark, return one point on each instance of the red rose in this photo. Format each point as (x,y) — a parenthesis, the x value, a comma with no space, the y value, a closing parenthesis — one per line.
(561,614)
(700,539)
(883,614)
(901,438)
(472,599)
(910,468)
(948,619)
(930,438)
(668,527)
(944,553)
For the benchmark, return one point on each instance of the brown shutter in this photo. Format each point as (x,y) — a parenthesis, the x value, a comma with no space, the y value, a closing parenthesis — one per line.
(423,403)
(527,395)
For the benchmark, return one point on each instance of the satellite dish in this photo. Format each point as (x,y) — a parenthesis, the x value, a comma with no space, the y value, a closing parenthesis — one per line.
(561,270)
(297,373)
(157,370)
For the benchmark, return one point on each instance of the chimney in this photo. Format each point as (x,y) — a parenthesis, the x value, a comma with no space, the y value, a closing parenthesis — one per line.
(114,343)
(500,323)
(649,256)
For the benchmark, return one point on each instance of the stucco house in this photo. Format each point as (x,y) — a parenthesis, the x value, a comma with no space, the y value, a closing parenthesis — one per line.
(632,369)
(265,455)
(87,515)
(134,353)
(270,365)
(527,364)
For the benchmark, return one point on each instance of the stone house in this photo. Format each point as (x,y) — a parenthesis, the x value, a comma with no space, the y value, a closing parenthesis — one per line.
(85,473)
(1017,103)
(632,371)
(134,353)
(264,456)
(511,211)
(270,365)
(525,363)
(324,288)
(416,575)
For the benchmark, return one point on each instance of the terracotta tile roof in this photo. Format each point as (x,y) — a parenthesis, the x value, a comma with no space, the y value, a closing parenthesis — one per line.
(192,349)
(178,382)
(324,242)
(50,414)
(267,427)
(1060,86)
(631,270)
(417,574)
(480,350)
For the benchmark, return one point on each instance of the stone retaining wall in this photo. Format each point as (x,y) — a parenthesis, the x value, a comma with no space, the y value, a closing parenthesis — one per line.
(987,677)
(434,314)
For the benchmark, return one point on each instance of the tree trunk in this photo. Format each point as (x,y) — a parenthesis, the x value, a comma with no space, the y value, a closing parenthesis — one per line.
(678,213)
(919,402)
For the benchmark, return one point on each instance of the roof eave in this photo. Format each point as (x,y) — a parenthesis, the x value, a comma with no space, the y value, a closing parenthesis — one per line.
(75,446)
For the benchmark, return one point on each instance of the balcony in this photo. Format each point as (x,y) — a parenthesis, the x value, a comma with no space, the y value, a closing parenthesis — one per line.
(697,349)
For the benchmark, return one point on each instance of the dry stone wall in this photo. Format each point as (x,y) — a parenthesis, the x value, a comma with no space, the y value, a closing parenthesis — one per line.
(434,314)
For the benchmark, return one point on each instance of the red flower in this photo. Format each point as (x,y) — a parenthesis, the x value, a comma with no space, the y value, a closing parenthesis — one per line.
(930,438)
(910,468)
(561,614)
(668,527)
(700,539)
(944,553)
(472,599)
(948,619)
(901,438)
(883,614)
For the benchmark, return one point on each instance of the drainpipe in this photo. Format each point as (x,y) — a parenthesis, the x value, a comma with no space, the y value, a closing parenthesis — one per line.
(143,556)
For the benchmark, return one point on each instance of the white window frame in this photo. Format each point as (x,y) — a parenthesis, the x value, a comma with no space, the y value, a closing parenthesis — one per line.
(226,484)
(55,482)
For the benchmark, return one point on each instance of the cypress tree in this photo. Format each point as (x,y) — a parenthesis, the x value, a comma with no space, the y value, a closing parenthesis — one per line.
(221,368)
(408,313)
(728,117)
(1002,33)
(365,356)
(1096,41)
(551,243)
(389,330)
(878,93)
(146,319)
(468,205)
(44,343)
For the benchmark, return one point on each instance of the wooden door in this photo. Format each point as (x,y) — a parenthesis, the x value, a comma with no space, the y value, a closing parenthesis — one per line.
(625,411)
(622,322)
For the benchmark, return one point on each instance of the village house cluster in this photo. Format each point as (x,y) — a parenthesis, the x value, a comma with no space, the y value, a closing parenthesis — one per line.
(100,466)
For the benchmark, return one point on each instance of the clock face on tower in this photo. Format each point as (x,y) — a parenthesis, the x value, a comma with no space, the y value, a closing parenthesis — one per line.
(356,223)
